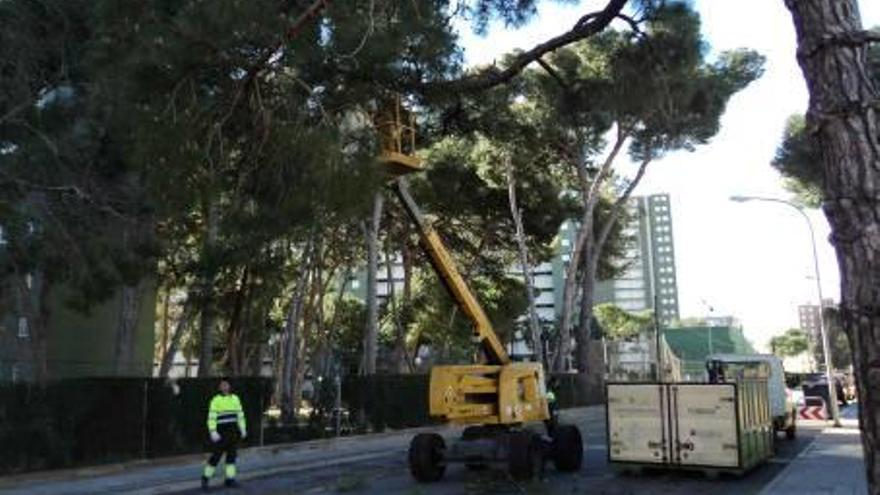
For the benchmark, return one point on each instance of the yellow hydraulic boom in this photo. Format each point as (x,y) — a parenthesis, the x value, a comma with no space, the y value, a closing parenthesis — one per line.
(495,397)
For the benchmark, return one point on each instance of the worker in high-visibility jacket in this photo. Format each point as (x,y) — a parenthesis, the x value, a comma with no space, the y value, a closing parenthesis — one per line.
(552,406)
(226,426)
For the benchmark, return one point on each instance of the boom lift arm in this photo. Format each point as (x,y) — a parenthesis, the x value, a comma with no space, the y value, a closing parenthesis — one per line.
(445,267)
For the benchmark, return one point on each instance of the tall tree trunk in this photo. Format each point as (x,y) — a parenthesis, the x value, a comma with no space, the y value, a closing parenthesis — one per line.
(136,232)
(594,246)
(402,363)
(290,336)
(235,335)
(131,297)
(206,291)
(39,330)
(182,324)
(166,324)
(37,317)
(591,186)
(844,122)
(570,290)
(583,334)
(525,266)
(371,333)
(312,314)
(396,308)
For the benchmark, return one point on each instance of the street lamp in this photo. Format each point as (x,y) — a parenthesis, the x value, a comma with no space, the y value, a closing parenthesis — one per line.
(826,349)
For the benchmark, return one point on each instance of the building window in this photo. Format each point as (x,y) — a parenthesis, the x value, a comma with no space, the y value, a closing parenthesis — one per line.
(565,243)
(23,329)
(355,284)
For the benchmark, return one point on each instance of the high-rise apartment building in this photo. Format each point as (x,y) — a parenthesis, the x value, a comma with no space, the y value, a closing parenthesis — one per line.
(808,317)
(650,276)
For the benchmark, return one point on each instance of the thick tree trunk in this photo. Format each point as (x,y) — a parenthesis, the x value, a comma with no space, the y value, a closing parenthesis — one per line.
(166,324)
(131,297)
(569,293)
(206,292)
(525,266)
(398,354)
(290,336)
(591,186)
(594,246)
(583,333)
(844,121)
(371,331)
(235,334)
(37,316)
(179,330)
(406,365)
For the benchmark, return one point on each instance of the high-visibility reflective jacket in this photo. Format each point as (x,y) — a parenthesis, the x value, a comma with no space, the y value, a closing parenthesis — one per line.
(225,410)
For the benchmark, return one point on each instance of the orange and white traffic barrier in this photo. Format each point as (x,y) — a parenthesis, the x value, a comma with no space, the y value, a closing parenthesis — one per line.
(814,408)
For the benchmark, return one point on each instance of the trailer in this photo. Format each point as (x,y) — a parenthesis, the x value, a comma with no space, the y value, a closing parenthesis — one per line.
(711,427)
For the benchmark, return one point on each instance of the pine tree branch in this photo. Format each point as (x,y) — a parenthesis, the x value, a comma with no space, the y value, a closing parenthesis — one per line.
(621,202)
(554,74)
(588,25)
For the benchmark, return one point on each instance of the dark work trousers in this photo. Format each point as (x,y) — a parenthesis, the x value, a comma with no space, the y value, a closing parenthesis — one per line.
(553,421)
(229,438)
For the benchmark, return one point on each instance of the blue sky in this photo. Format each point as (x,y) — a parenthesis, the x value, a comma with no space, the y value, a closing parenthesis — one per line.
(749,260)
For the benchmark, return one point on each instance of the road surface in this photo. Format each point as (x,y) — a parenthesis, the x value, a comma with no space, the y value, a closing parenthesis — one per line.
(386,473)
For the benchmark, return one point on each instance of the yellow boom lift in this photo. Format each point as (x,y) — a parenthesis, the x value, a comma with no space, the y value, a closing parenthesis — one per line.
(495,399)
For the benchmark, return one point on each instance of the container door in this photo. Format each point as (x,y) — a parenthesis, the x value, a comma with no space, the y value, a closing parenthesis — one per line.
(637,427)
(704,425)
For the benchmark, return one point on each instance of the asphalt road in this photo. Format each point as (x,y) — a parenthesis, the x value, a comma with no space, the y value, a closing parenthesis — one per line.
(386,473)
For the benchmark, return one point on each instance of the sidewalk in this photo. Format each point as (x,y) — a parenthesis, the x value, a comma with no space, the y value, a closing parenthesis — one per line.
(832,464)
(175,474)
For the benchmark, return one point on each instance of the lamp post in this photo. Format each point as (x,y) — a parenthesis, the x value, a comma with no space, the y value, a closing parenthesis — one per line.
(826,349)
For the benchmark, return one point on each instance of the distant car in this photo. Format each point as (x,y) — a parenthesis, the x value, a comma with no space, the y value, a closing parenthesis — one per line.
(816,385)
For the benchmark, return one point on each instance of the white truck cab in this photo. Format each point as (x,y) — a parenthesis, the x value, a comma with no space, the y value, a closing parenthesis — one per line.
(782,406)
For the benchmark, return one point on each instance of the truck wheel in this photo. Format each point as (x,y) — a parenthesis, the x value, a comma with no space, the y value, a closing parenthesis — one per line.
(426,457)
(568,448)
(525,459)
(791,431)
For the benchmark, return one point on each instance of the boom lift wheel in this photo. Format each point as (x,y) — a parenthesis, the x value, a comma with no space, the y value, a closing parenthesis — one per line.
(568,448)
(525,458)
(426,457)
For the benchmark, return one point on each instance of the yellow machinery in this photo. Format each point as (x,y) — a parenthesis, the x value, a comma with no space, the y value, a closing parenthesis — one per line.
(493,399)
